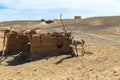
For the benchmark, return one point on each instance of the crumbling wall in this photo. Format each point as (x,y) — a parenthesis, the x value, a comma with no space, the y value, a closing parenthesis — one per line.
(40,44)
(16,43)
(44,44)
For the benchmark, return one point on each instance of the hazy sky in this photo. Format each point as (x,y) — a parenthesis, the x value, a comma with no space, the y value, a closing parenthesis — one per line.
(50,9)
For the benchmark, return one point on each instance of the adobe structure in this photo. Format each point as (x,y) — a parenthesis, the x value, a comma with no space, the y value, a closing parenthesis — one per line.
(77,17)
(33,44)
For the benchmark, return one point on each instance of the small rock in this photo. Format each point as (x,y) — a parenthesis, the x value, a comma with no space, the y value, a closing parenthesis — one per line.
(116,75)
(35,70)
(68,79)
(90,69)
(114,72)
(18,72)
(83,66)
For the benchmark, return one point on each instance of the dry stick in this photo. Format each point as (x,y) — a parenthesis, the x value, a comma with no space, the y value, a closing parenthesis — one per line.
(62,23)
(66,32)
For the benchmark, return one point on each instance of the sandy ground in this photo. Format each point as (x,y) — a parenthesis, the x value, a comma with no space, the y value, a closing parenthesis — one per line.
(103,64)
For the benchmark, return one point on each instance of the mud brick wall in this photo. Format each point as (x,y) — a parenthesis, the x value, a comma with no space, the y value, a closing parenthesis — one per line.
(42,45)
(77,17)
(16,43)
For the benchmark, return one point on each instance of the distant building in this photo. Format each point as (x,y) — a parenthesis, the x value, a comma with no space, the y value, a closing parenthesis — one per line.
(77,17)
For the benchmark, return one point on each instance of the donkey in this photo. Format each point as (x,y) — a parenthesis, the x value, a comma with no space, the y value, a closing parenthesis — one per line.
(74,45)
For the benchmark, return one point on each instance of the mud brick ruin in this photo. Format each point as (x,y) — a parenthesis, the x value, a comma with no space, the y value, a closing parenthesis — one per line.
(50,44)
(38,44)
(16,42)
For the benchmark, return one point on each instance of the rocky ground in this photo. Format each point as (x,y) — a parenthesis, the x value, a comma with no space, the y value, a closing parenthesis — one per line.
(102,36)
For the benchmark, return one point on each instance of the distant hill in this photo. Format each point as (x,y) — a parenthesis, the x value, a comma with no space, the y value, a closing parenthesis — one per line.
(92,23)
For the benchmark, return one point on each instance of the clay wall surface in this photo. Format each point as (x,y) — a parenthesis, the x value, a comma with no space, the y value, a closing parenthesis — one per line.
(49,45)
(77,17)
(16,43)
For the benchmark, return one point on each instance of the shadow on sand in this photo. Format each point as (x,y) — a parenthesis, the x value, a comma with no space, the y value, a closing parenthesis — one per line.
(60,61)
(18,60)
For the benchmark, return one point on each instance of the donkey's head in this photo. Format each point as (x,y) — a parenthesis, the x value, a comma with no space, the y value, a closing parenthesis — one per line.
(77,42)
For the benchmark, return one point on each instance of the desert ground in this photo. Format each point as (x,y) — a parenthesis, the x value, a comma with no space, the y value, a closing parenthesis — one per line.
(102,37)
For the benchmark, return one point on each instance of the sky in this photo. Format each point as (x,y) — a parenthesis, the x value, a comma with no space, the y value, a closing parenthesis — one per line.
(51,9)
